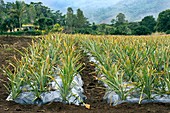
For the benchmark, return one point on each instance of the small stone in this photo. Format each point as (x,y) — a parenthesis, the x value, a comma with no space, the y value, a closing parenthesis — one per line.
(6,109)
(41,110)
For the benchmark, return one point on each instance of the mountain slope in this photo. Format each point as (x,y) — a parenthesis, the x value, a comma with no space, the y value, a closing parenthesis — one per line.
(133,9)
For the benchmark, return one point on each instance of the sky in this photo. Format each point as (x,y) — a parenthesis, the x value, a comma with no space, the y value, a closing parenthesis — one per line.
(45,2)
(63,4)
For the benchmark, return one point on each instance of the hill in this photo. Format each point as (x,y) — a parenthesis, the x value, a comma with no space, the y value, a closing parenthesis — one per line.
(133,9)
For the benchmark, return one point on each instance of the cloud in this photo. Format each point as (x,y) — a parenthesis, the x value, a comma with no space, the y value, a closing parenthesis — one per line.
(85,5)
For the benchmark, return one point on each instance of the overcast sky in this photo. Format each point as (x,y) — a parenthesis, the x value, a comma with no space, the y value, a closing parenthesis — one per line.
(47,2)
(53,3)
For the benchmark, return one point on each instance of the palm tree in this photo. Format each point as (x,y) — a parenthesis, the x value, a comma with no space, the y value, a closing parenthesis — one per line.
(18,9)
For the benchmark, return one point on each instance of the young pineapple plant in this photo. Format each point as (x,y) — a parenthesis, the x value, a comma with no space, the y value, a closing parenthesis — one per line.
(134,68)
(69,66)
(108,68)
(47,71)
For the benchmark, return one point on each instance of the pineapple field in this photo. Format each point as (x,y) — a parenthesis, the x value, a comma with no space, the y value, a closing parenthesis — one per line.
(85,73)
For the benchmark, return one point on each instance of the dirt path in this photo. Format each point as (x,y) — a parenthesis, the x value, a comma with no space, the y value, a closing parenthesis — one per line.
(93,90)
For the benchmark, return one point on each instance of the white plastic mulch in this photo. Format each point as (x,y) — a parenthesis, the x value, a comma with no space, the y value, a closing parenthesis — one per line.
(75,97)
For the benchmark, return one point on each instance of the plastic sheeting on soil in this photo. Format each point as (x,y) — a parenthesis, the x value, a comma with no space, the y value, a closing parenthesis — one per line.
(91,58)
(75,97)
(114,98)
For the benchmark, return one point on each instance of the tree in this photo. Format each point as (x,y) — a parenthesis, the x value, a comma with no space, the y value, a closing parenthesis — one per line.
(32,13)
(142,30)
(58,18)
(81,19)
(1,22)
(45,23)
(2,8)
(38,8)
(1,13)
(42,23)
(122,30)
(120,19)
(163,22)
(101,28)
(113,21)
(133,25)
(110,30)
(81,24)
(49,23)
(70,18)
(18,9)
(94,26)
(149,22)
(8,24)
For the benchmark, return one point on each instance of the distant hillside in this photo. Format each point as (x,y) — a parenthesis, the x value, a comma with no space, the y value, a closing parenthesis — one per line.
(133,9)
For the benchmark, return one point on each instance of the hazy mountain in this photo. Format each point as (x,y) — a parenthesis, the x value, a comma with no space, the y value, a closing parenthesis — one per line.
(133,9)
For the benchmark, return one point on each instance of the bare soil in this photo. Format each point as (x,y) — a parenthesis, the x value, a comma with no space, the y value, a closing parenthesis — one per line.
(93,90)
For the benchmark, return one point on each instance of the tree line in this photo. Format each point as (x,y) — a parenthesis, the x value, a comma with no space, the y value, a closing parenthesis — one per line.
(15,14)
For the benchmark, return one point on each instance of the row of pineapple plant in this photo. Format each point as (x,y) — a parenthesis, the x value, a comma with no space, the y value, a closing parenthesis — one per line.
(46,58)
(141,63)
(126,65)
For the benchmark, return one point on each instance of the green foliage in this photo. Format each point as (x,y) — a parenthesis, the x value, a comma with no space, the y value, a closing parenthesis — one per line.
(163,22)
(50,57)
(139,63)
(70,18)
(15,14)
(94,26)
(133,26)
(142,30)
(34,33)
(122,30)
(18,33)
(168,32)
(120,19)
(8,24)
(76,23)
(18,10)
(81,19)
(69,67)
(45,23)
(149,22)
(57,28)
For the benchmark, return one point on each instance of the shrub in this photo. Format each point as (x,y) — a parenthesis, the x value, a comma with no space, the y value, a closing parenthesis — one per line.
(142,30)
(33,33)
(57,28)
(168,32)
(18,33)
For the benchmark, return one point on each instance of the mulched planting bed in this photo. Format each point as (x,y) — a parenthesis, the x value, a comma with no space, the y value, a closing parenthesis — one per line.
(92,88)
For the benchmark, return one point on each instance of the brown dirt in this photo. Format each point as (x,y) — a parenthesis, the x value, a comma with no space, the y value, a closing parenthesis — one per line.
(93,90)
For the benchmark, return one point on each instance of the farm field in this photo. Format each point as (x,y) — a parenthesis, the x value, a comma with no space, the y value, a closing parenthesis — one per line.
(93,89)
